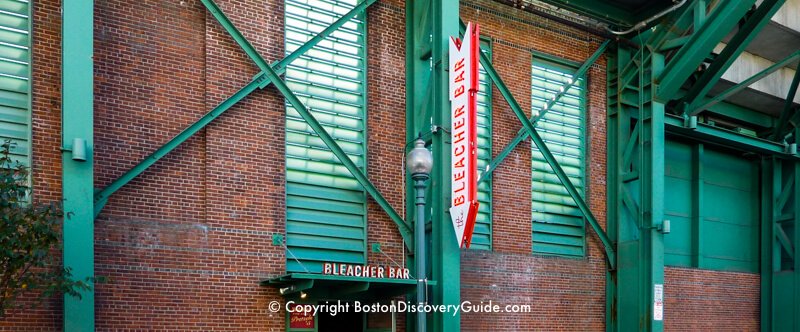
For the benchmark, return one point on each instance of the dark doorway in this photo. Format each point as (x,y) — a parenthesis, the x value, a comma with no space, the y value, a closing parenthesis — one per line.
(342,322)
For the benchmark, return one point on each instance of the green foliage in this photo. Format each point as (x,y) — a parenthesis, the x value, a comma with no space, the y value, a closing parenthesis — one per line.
(30,237)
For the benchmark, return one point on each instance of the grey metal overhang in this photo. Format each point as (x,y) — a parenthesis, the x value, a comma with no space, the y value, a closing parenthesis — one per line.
(775,42)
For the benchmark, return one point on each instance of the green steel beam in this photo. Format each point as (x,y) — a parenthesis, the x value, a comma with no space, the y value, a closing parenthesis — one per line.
(102,196)
(260,81)
(362,179)
(747,32)
(744,84)
(674,43)
(653,140)
(770,188)
(419,110)
(551,160)
(723,137)
(616,131)
(783,197)
(522,134)
(780,253)
(674,26)
(636,190)
(787,108)
(737,113)
(280,66)
(445,252)
(699,205)
(789,318)
(236,34)
(700,13)
(784,241)
(724,16)
(77,127)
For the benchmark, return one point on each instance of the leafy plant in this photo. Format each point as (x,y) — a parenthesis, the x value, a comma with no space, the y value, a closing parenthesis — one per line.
(29,237)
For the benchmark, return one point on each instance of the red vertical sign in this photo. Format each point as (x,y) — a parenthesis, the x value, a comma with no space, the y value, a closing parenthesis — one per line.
(464,133)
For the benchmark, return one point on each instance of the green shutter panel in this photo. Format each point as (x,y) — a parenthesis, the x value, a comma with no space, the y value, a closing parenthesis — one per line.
(15,74)
(558,225)
(325,207)
(482,237)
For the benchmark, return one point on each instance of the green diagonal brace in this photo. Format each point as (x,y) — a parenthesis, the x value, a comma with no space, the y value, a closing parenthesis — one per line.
(784,240)
(736,88)
(735,47)
(787,107)
(281,65)
(236,34)
(102,196)
(260,81)
(551,160)
(522,134)
(723,18)
(675,23)
(343,158)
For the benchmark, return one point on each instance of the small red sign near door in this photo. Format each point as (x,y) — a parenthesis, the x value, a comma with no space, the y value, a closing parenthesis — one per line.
(300,320)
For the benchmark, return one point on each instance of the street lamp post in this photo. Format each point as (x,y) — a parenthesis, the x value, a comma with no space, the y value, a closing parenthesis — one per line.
(420,162)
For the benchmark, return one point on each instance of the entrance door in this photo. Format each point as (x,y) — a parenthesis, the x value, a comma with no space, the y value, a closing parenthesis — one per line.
(343,321)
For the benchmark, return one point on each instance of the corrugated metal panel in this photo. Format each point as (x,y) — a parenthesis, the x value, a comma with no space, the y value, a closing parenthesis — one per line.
(558,225)
(729,233)
(15,83)
(325,207)
(482,237)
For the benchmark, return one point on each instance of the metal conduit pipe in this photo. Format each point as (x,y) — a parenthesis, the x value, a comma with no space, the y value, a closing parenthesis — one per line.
(582,27)
(643,24)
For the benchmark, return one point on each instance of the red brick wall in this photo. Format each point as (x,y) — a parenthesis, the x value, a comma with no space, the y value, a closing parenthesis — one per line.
(704,300)
(186,243)
(386,120)
(564,293)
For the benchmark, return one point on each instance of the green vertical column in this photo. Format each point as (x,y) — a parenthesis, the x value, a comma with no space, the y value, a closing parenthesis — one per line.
(770,190)
(636,194)
(780,280)
(614,154)
(697,204)
(429,26)
(78,175)
(652,183)
(446,255)
(793,300)
(418,73)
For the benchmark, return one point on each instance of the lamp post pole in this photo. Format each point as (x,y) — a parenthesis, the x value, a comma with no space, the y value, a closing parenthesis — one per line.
(419,162)
(419,240)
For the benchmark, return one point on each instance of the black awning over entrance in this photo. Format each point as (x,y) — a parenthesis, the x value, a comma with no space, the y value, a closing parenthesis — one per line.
(333,287)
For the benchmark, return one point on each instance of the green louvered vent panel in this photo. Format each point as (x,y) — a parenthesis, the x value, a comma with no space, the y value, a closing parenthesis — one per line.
(558,225)
(727,236)
(15,86)
(482,237)
(325,206)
